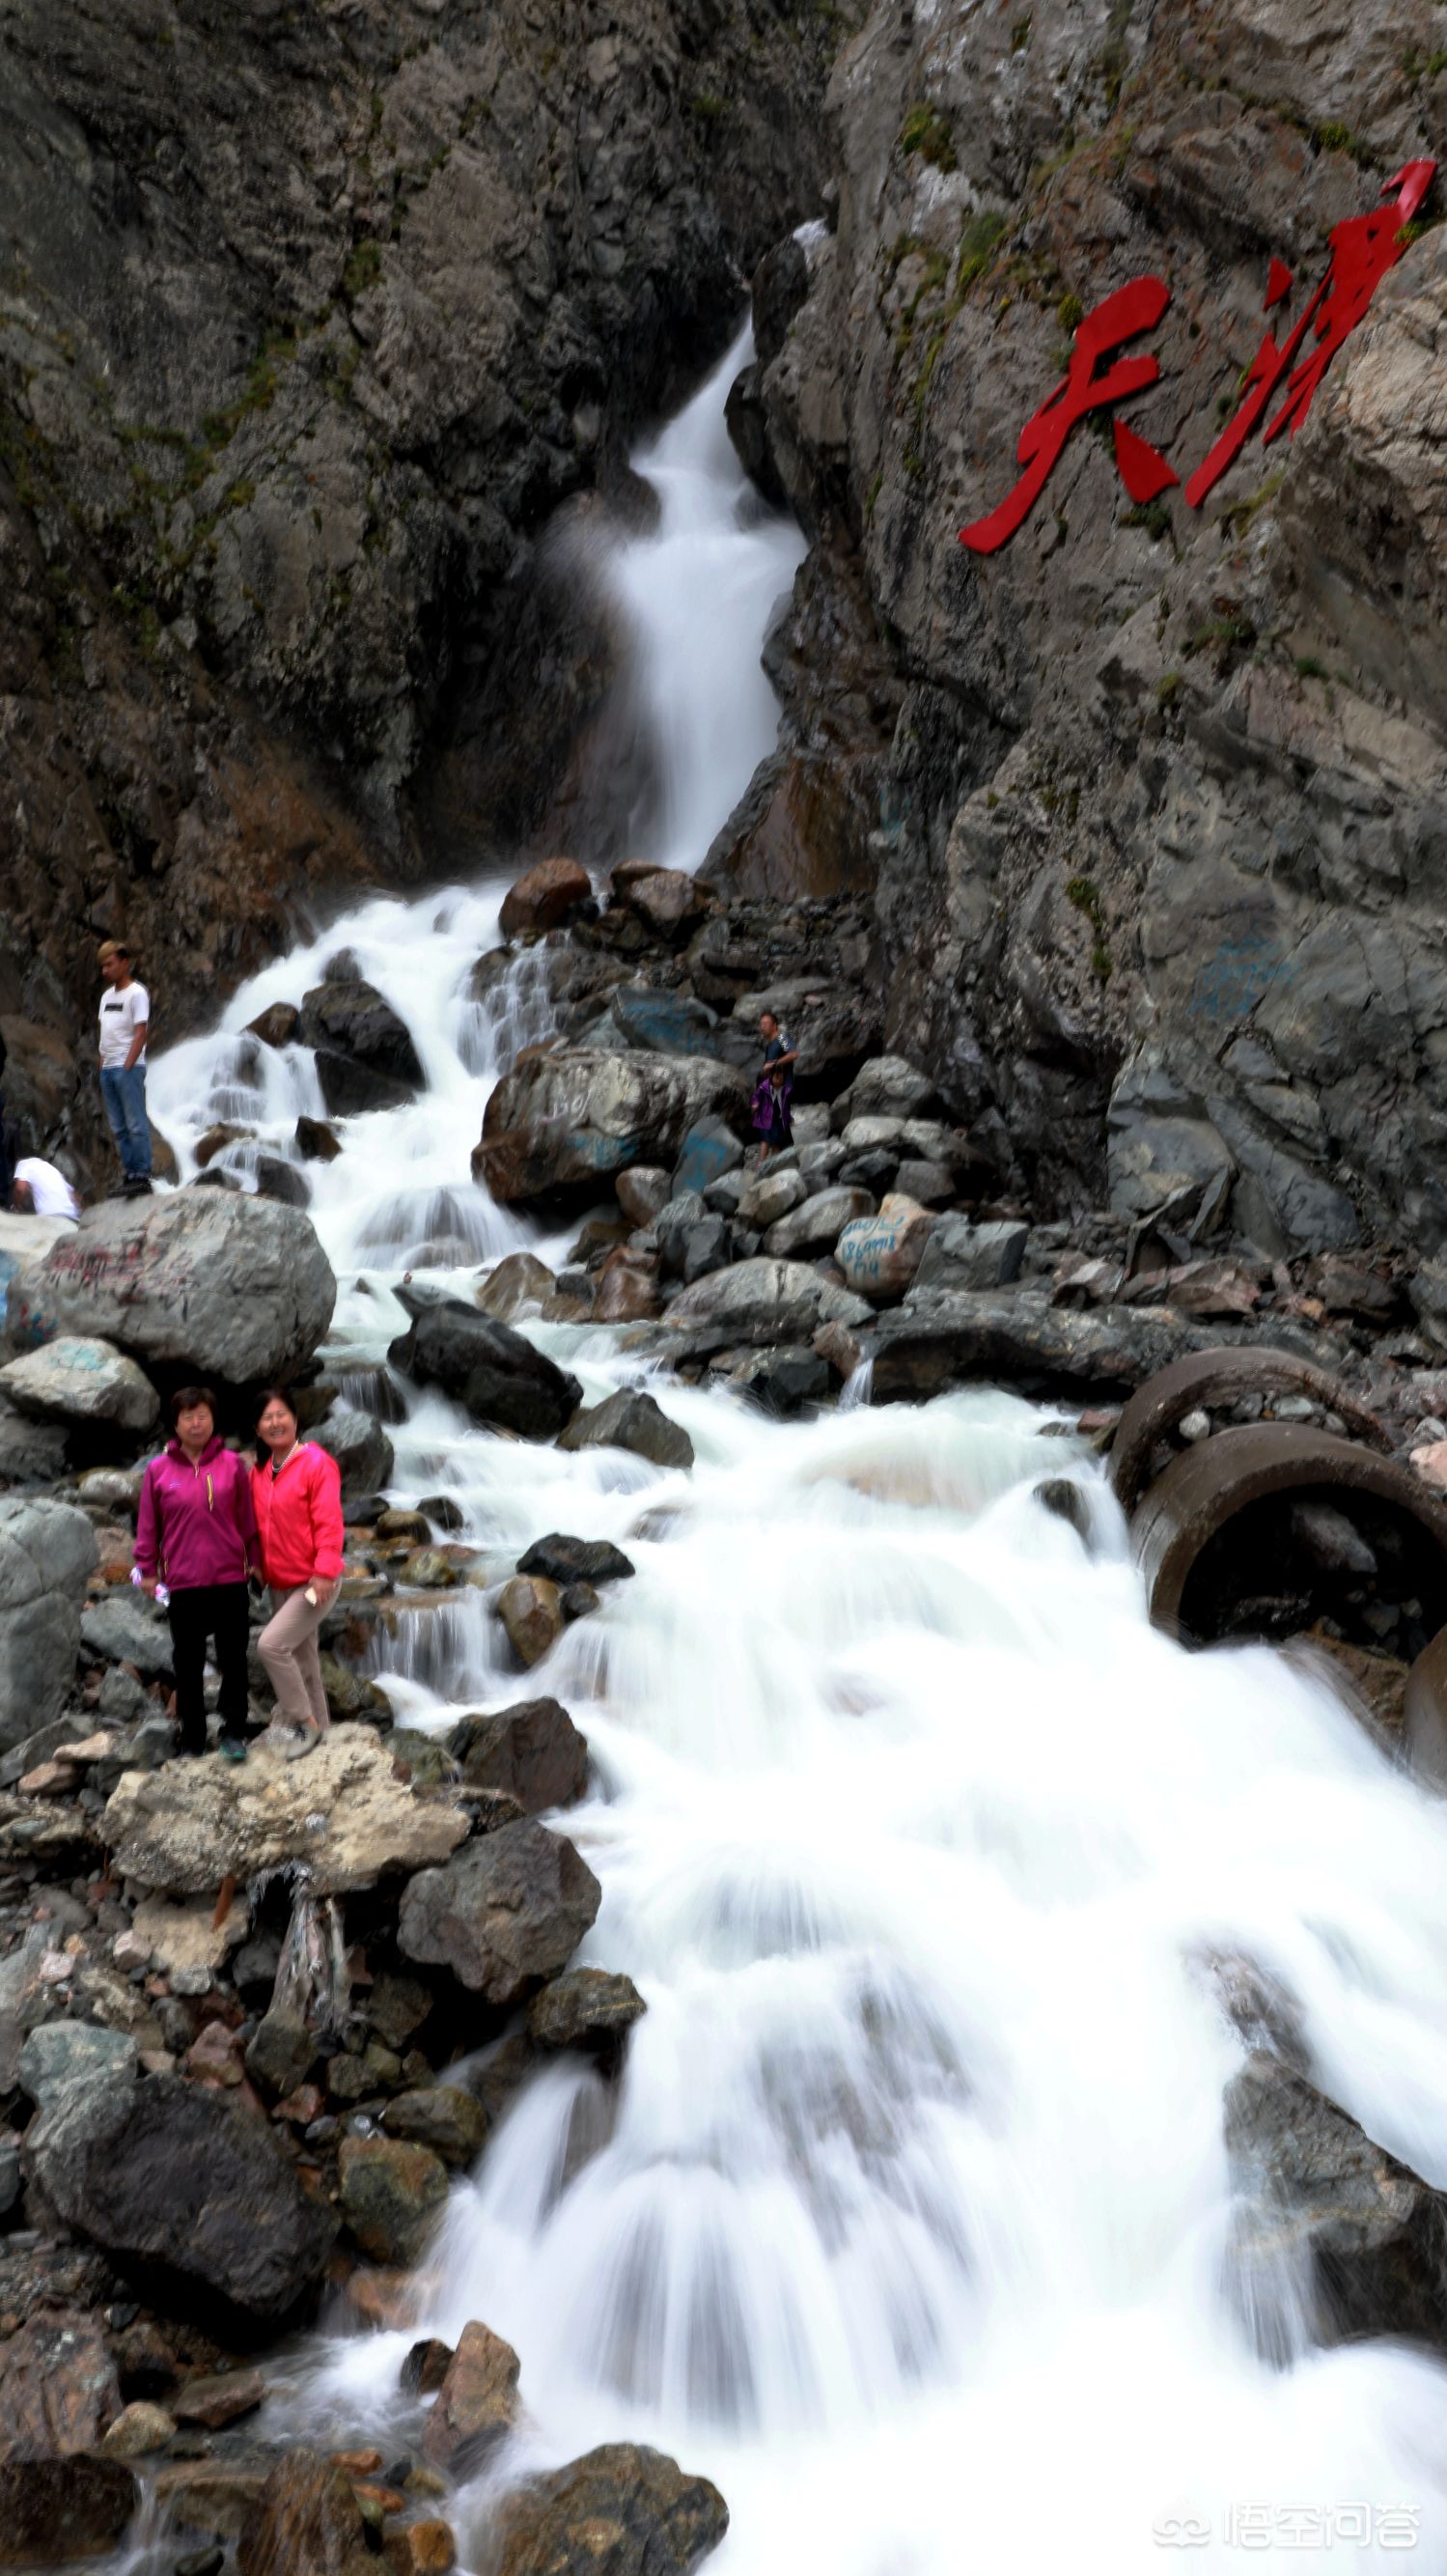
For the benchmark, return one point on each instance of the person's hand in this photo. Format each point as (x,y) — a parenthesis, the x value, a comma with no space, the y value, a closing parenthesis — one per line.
(148,1585)
(326,1589)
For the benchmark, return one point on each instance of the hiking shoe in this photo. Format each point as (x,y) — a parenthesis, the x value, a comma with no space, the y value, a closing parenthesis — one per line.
(232,1748)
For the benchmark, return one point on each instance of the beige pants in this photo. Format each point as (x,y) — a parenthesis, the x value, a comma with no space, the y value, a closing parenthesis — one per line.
(287,1646)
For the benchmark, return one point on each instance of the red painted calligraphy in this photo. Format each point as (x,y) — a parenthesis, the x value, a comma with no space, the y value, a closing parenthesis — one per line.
(1362,251)
(1131,309)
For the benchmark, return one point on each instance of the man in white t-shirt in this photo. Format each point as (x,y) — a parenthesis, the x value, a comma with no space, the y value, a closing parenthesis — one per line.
(125,1013)
(40,1190)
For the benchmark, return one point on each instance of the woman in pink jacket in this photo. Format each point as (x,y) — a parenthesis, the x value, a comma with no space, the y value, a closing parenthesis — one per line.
(297,1497)
(196,1533)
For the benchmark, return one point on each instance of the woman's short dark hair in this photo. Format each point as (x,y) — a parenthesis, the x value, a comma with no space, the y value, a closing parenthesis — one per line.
(186,1397)
(275,1395)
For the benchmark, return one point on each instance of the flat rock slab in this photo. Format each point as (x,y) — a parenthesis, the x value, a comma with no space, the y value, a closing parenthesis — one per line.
(343,1810)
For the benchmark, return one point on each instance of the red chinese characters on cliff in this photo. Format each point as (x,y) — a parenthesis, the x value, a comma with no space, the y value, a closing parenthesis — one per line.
(1362,251)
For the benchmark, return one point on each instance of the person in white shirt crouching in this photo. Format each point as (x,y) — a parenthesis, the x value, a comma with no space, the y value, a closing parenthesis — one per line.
(40,1190)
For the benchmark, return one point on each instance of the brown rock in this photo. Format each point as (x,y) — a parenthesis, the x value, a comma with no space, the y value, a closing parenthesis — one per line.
(477,2403)
(58,2388)
(306,2522)
(214,2497)
(441,2116)
(53,2510)
(385,2298)
(50,1780)
(276,1026)
(586,2008)
(357,2464)
(518,1285)
(544,896)
(627,1292)
(529,1609)
(426,2367)
(422,2549)
(620,2511)
(533,1750)
(504,1914)
(666,900)
(218,2401)
(138,2430)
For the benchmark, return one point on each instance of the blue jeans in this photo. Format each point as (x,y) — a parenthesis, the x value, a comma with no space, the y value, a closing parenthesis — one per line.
(123,1090)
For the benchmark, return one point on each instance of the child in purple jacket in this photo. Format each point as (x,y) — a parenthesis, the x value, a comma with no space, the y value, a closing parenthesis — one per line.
(196,1533)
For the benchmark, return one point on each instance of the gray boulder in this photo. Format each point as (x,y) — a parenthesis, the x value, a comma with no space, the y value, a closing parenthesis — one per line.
(123,1628)
(493,1371)
(186,2188)
(47,1550)
(360,1447)
(77,1379)
(228,1287)
(630,1420)
(961,1255)
(75,2052)
(760,1300)
(504,1913)
(817,1225)
(562,1124)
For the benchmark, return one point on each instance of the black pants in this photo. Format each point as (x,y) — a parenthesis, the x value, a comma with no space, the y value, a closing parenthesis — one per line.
(222,1611)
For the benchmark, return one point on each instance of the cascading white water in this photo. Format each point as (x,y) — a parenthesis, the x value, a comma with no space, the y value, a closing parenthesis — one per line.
(909,2219)
(698,590)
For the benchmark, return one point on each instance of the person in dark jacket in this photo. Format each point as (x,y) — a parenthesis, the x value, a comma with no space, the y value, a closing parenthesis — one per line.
(196,1536)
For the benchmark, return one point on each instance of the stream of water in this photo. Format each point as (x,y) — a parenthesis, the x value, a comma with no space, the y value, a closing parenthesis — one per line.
(909,2220)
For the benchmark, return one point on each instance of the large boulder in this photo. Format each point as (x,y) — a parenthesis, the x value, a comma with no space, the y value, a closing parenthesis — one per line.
(533,1751)
(504,1914)
(75,1379)
(55,2511)
(543,897)
(817,1225)
(760,1301)
(880,1255)
(622,2510)
(562,1124)
(306,2521)
(47,1549)
(344,1811)
(209,1282)
(348,1018)
(495,1373)
(1322,2205)
(630,1420)
(186,2189)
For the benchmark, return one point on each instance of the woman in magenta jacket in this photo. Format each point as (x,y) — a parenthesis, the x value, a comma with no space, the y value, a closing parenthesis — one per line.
(296,1494)
(196,1533)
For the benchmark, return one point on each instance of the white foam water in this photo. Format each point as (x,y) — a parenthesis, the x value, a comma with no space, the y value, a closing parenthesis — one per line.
(909,2219)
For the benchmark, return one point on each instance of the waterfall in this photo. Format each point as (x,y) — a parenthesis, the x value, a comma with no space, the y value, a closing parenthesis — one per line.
(909,2220)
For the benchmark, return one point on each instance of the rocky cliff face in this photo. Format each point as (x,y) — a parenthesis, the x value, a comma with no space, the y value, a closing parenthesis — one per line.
(1161,850)
(309,319)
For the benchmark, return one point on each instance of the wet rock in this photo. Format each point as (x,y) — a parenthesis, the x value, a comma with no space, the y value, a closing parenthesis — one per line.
(58,2389)
(503,1914)
(626,1292)
(619,2511)
(216,2402)
(781,1382)
(47,1550)
(576,1560)
(630,1420)
(961,1255)
(75,1380)
(426,2548)
(562,1124)
(184,2186)
(276,1026)
(544,896)
(306,2521)
(426,2367)
(280,1180)
(1317,2193)
(281,2053)
(587,2008)
(217,2498)
(817,1225)
(316,1142)
(452,2123)
(428,1570)
(477,2403)
(391,2194)
(709,1150)
(949,1337)
(492,1371)
(55,2510)
(533,1751)
(235,1290)
(516,1287)
(343,1810)
(348,1018)
(532,1615)
(360,1447)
